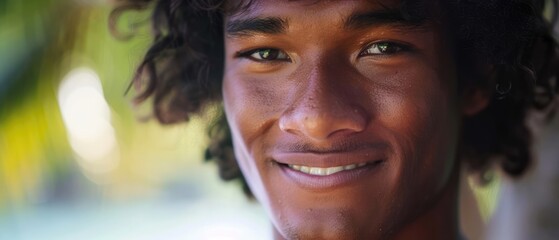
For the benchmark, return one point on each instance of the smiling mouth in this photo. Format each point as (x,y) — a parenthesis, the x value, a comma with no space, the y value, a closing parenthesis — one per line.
(318,171)
(328,171)
(330,176)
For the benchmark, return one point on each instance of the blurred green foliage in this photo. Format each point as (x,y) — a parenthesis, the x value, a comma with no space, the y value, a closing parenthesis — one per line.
(40,41)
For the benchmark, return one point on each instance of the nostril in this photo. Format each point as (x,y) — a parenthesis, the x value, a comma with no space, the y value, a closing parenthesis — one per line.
(283,126)
(298,122)
(322,122)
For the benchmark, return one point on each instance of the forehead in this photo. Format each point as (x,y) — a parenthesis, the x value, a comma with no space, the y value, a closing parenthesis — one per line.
(240,8)
(350,14)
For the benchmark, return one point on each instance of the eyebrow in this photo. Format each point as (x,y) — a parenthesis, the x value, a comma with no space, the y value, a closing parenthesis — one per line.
(252,26)
(380,17)
(276,25)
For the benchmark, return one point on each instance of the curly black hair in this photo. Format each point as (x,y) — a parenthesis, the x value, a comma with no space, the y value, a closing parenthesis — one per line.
(183,70)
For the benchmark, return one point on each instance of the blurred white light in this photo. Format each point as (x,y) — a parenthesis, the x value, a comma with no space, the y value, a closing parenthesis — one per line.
(86,113)
(87,117)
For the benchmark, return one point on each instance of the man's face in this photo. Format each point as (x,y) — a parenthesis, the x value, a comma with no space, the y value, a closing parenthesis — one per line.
(344,118)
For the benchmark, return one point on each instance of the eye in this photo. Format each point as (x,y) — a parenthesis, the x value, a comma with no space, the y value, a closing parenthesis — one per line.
(266,54)
(384,48)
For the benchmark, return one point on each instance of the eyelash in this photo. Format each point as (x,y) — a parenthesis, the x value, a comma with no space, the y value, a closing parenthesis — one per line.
(396,48)
(280,55)
(389,48)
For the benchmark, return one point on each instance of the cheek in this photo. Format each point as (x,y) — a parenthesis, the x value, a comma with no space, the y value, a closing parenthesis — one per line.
(251,105)
(250,110)
(423,119)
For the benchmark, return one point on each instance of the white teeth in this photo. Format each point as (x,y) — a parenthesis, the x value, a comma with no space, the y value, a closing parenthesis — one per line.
(324,171)
(317,171)
(349,167)
(333,170)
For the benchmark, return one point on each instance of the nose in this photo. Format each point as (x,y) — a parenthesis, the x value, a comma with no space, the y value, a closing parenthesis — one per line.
(326,108)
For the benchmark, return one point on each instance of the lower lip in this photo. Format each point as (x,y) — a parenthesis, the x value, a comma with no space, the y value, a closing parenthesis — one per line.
(333,181)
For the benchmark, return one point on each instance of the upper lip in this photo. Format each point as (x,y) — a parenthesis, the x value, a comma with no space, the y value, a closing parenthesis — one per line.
(326,160)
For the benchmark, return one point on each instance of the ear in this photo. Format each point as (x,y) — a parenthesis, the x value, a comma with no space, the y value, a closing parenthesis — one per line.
(474,100)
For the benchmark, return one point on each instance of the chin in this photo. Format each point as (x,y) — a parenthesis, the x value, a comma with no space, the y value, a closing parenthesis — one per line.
(333,223)
(319,230)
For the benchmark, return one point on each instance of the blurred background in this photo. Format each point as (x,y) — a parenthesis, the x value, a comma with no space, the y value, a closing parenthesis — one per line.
(76,162)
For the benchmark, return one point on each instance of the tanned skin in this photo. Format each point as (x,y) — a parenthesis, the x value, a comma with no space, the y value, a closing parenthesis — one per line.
(338,83)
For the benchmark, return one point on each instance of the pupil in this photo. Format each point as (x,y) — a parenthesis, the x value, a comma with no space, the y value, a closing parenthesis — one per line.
(268,54)
(384,47)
